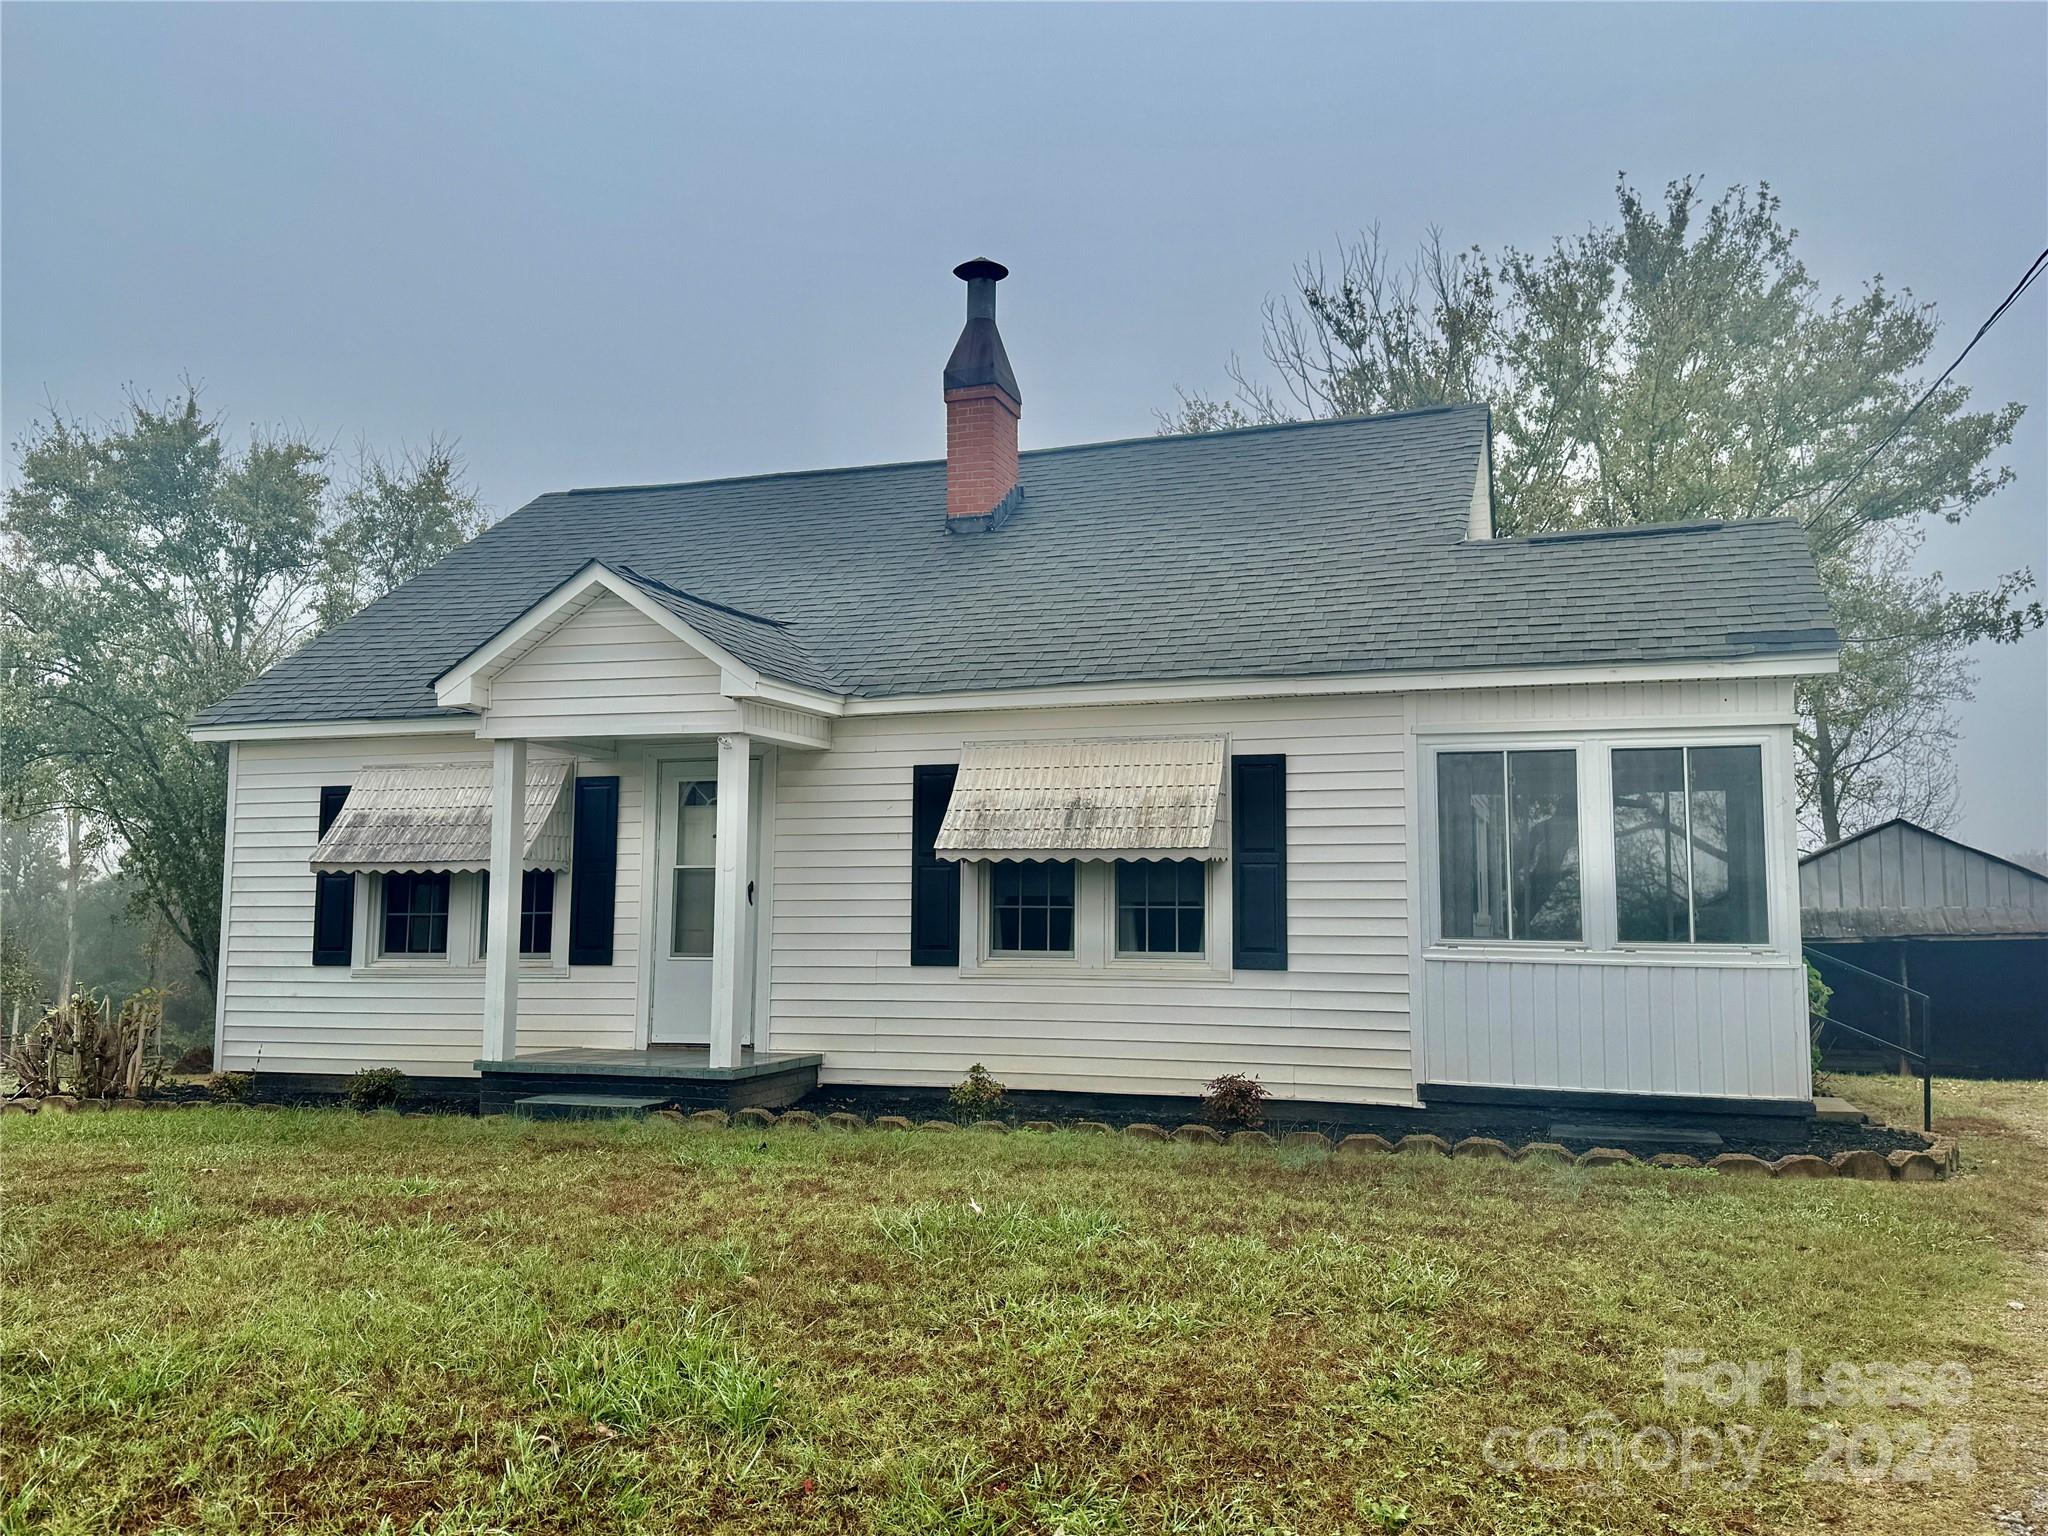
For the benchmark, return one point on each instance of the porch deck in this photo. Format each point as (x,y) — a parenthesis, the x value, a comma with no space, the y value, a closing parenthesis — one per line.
(680,1074)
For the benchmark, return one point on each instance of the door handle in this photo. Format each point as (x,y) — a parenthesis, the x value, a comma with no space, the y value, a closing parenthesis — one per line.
(750,893)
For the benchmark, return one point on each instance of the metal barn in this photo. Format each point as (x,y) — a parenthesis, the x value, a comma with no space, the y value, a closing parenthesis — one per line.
(1900,907)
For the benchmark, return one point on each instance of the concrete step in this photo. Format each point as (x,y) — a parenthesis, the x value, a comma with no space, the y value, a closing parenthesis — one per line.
(582,1106)
(1623,1133)
(1837,1111)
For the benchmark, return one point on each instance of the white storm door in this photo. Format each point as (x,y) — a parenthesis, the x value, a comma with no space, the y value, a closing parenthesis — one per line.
(685,898)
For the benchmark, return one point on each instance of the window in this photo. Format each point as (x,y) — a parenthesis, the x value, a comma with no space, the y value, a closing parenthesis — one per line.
(416,913)
(536,912)
(694,891)
(1031,907)
(1689,846)
(1160,906)
(1508,845)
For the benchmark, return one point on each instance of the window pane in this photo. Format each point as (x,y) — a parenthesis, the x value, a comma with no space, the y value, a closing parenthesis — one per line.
(1192,881)
(1033,928)
(693,895)
(1543,844)
(1728,846)
(1472,845)
(1007,927)
(1130,883)
(1130,923)
(1191,930)
(697,824)
(1649,846)
(394,932)
(1059,937)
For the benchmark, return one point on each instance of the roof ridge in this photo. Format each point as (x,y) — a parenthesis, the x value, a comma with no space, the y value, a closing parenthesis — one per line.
(1159,438)
(1631,531)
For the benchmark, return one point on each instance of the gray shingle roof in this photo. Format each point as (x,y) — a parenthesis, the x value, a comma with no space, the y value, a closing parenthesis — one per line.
(1324,548)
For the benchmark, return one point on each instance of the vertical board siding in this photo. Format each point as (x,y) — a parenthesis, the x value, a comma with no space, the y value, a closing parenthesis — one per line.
(281,1013)
(1610,1021)
(1334,1025)
(1717,1031)
(609,670)
(1901,879)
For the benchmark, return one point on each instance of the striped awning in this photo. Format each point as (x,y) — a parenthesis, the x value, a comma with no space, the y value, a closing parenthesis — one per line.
(426,816)
(1154,797)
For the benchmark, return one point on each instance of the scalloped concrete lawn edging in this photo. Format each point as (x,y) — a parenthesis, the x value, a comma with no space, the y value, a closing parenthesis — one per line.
(1942,1157)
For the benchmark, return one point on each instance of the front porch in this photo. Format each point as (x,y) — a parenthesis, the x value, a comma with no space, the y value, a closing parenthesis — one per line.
(589,1081)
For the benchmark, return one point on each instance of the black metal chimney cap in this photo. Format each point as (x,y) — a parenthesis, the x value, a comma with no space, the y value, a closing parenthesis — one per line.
(980,267)
(978,357)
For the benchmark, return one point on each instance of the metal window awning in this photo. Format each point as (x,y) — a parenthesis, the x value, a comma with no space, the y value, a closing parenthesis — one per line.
(1152,798)
(429,816)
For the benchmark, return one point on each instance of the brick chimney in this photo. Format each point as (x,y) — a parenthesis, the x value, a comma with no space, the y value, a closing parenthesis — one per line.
(982,407)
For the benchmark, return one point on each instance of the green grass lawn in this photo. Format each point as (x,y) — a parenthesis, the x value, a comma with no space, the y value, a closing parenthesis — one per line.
(309,1320)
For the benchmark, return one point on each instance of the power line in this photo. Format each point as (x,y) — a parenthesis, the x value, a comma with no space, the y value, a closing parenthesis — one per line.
(2039,266)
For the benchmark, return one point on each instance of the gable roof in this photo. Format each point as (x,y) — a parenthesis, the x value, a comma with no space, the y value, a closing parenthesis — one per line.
(1331,548)
(1899,879)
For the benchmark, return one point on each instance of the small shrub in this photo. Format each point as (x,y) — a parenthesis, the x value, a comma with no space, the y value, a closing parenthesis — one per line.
(231,1087)
(977,1094)
(195,1061)
(1817,994)
(378,1088)
(1235,1100)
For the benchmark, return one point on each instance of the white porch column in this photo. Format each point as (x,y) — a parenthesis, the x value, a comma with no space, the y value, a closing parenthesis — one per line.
(501,924)
(732,989)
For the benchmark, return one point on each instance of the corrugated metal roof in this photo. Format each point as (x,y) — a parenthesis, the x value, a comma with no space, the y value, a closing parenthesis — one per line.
(424,816)
(1154,797)
(1900,880)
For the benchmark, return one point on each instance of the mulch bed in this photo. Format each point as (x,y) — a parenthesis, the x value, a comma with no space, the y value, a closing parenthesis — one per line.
(1757,1135)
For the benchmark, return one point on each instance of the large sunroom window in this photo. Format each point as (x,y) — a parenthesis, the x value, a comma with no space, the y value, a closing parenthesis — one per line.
(1689,845)
(1508,845)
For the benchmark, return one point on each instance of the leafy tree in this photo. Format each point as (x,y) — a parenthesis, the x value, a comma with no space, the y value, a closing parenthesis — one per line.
(395,522)
(1682,363)
(152,569)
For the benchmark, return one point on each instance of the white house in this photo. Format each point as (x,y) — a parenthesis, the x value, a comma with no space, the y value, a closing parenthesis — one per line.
(1113,767)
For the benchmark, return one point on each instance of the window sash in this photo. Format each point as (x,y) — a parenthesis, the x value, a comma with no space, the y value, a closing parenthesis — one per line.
(416,913)
(1031,907)
(1161,907)
(1709,814)
(1509,846)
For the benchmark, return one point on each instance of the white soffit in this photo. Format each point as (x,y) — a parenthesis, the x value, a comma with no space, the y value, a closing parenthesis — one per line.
(1155,798)
(438,816)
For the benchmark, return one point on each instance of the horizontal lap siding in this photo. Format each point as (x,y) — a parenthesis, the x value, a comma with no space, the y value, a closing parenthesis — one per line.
(282,1013)
(610,671)
(1332,1026)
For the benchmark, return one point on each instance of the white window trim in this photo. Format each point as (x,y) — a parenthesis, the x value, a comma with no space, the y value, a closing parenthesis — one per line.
(466,917)
(1094,957)
(1599,943)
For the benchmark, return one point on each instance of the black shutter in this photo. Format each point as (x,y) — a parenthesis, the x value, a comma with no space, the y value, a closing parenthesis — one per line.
(334,894)
(934,882)
(1258,862)
(594,871)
